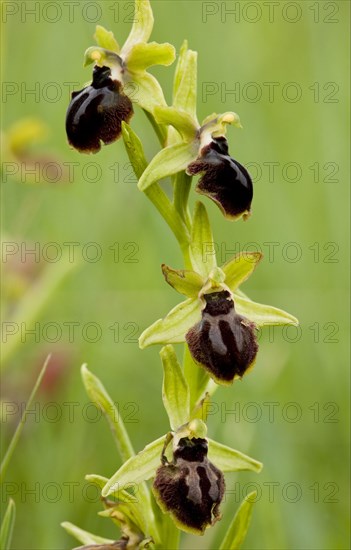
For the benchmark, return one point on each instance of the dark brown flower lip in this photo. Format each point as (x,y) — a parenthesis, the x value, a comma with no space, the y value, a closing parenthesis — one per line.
(96,112)
(223,342)
(223,179)
(190,487)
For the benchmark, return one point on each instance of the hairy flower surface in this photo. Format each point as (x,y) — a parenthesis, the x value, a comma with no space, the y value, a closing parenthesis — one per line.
(96,113)
(190,487)
(223,342)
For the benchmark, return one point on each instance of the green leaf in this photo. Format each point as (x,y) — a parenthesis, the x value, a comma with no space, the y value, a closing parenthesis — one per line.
(175,391)
(137,469)
(7,526)
(186,282)
(145,91)
(134,149)
(202,251)
(144,55)
(84,536)
(180,120)
(103,401)
(173,328)
(238,528)
(262,314)
(167,162)
(143,22)
(230,460)
(16,436)
(239,268)
(106,39)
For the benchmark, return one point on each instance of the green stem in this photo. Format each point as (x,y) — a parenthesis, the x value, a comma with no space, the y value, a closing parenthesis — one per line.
(182,185)
(160,131)
(160,200)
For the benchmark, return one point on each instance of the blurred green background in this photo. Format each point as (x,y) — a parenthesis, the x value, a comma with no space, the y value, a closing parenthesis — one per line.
(283,68)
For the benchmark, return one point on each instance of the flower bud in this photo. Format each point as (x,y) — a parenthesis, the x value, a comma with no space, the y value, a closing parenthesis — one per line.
(190,487)
(223,179)
(223,342)
(96,112)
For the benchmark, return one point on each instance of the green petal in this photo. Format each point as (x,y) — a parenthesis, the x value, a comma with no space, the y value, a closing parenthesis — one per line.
(167,162)
(262,314)
(106,39)
(103,401)
(175,391)
(186,282)
(202,251)
(7,526)
(173,328)
(144,55)
(238,528)
(239,268)
(137,469)
(180,120)
(101,56)
(230,460)
(144,90)
(217,124)
(142,26)
(84,536)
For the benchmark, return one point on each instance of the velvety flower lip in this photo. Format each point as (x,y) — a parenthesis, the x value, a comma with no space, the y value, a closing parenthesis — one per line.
(190,487)
(223,342)
(96,112)
(223,179)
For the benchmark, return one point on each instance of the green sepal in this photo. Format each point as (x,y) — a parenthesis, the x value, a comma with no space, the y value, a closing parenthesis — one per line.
(143,22)
(230,460)
(180,120)
(239,526)
(145,91)
(202,251)
(103,401)
(239,268)
(137,469)
(262,314)
(167,162)
(187,282)
(7,525)
(134,149)
(173,328)
(175,391)
(105,39)
(144,55)
(84,536)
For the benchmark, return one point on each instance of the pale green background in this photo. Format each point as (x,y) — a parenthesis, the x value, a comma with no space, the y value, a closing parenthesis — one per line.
(311,453)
